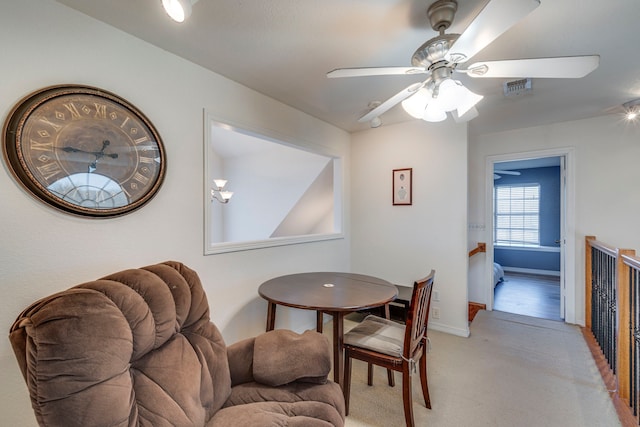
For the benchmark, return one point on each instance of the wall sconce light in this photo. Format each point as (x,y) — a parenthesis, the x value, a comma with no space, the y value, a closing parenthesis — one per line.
(632,109)
(218,193)
(178,10)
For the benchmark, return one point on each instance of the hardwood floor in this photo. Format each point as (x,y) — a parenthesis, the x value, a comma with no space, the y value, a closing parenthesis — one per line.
(529,294)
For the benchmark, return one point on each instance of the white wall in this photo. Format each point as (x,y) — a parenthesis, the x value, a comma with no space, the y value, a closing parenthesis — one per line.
(606,152)
(403,243)
(43,251)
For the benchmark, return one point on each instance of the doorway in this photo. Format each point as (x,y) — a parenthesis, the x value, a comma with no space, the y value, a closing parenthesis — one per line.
(532,247)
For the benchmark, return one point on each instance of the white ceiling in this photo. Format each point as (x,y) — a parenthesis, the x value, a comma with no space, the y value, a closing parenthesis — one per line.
(284,48)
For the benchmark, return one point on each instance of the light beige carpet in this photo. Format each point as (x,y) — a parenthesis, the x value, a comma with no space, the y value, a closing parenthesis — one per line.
(512,371)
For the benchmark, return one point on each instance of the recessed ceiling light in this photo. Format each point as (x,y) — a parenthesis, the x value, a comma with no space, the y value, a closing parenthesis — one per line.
(632,109)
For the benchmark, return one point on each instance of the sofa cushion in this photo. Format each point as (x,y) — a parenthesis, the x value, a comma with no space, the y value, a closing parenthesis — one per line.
(272,414)
(282,356)
(287,405)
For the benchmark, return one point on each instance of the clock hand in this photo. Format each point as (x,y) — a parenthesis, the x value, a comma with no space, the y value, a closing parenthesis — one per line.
(98,154)
(73,150)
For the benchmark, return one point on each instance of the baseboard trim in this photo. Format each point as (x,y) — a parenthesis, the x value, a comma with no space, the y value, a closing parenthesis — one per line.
(531,271)
(448,329)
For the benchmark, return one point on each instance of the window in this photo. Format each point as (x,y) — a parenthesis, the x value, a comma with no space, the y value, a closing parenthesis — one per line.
(517,215)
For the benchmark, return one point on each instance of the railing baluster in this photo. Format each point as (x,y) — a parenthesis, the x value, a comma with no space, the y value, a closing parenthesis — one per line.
(604,302)
(612,303)
(633,284)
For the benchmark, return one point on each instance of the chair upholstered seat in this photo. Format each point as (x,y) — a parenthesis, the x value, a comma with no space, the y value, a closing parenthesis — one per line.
(377,334)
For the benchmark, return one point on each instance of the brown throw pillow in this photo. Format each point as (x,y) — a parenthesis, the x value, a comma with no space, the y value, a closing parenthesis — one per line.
(282,356)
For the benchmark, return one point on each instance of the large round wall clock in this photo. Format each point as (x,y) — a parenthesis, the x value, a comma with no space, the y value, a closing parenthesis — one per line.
(84,150)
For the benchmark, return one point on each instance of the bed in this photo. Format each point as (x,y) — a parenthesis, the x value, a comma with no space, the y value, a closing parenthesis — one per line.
(498,274)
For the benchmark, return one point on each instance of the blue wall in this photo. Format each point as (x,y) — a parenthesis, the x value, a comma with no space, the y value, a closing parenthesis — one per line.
(549,180)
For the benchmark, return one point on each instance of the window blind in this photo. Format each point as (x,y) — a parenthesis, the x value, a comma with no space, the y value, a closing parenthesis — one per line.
(517,215)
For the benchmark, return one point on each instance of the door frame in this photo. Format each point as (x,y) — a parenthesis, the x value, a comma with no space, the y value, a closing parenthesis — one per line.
(568,248)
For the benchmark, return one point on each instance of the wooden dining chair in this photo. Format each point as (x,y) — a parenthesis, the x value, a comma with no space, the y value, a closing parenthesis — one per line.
(394,346)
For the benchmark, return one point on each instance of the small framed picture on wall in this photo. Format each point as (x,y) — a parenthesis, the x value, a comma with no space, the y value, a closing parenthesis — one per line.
(402,186)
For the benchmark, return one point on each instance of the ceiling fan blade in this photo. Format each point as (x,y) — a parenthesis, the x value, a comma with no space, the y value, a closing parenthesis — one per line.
(515,173)
(496,18)
(374,71)
(391,102)
(567,67)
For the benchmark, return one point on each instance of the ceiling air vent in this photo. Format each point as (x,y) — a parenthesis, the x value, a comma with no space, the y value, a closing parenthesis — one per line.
(517,87)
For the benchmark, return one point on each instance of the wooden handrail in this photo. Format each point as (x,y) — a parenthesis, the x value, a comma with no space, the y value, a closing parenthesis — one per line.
(609,250)
(631,261)
(482,247)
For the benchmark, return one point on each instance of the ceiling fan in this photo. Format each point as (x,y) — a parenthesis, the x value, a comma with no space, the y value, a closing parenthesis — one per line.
(497,174)
(441,56)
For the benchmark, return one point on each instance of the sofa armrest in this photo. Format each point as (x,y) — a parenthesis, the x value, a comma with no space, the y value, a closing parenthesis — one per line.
(240,356)
(282,356)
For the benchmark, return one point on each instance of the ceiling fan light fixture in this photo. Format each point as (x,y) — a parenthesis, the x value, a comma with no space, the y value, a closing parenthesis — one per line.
(178,10)
(433,113)
(467,101)
(416,103)
(449,93)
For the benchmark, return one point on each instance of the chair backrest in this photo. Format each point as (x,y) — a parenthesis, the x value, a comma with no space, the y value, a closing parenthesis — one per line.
(133,348)
(418,316)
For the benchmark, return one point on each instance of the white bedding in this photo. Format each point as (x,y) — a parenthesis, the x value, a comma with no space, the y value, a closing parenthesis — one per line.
(498,274)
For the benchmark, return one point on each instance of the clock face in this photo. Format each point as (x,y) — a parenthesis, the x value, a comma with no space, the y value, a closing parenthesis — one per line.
(84,150)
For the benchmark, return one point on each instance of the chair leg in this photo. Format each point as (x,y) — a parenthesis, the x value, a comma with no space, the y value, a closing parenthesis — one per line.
(319,321)
(423,379)
(406,396)
(390,377)
(346,384)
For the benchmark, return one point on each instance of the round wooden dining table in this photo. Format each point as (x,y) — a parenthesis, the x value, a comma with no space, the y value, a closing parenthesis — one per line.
(334,293)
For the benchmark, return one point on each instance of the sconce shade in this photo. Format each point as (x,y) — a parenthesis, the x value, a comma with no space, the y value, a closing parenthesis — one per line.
(178,10)
(217,192)
(220,183)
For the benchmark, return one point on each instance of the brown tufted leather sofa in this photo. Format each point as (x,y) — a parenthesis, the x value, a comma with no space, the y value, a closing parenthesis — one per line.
(137,348)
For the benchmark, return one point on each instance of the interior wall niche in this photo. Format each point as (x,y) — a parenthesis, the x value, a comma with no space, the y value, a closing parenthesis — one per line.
(284,192)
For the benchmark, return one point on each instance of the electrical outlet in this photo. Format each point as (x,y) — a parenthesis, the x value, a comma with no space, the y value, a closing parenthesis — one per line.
(436,312)
(436,295)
